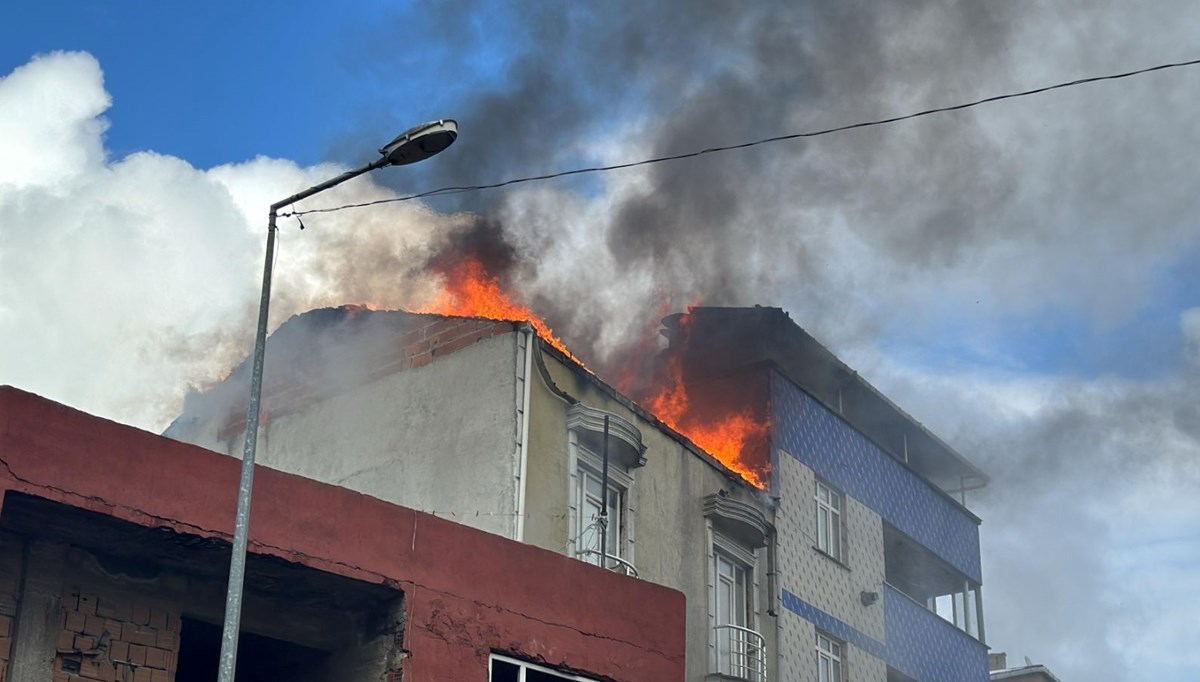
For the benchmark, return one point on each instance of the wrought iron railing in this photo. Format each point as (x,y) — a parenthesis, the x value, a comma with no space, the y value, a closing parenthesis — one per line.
(611,561)
(741,653)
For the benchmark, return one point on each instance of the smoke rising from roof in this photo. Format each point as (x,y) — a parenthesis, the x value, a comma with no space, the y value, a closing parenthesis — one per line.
(122,280)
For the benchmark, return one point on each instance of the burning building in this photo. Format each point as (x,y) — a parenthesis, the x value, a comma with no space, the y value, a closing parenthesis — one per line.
(813,526)
(114,548)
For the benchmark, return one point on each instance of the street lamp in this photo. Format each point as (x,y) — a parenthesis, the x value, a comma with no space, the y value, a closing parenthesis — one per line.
(413,145)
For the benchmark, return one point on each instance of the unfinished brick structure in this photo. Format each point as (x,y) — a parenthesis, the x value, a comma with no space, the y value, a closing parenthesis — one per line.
(114,545)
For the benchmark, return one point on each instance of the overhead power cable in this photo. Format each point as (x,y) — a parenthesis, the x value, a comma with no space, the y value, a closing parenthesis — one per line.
(726,148)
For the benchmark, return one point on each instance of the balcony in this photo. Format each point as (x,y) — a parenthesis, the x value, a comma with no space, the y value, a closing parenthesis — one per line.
(611,561)
(741,654)
(924,646)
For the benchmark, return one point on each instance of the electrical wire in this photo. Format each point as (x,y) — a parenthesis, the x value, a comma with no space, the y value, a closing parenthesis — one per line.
(744,145)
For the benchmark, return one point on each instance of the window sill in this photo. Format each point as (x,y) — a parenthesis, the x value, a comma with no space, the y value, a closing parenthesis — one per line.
(831,557)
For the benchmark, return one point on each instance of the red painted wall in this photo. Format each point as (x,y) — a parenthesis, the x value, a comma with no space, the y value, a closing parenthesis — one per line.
(466,592)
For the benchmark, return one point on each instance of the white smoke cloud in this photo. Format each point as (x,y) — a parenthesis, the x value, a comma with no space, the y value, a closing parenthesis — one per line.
(124,281)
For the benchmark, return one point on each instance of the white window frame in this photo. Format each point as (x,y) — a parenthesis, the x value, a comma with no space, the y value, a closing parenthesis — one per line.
(831,520)
(619,480)
(831,658)
(724,547)
(522,667)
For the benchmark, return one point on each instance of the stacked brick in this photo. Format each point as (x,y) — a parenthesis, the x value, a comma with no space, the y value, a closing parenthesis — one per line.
(111,639)
(10,581)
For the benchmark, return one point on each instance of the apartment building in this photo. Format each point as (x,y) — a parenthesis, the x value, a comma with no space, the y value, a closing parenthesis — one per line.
(854,556)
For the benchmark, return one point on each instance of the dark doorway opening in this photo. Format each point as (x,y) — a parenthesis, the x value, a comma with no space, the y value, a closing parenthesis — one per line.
(260,659)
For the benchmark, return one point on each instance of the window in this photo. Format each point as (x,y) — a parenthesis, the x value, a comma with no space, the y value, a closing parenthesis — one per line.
(502,669)
(829,522)
(739,650)
(588,431)
(829,659)
(591,497)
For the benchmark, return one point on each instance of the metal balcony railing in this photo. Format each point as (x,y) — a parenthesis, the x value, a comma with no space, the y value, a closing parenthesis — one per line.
(611,561)
(741,653)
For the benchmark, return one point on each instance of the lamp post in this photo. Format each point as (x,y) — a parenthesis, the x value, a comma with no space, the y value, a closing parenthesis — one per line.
(413,145)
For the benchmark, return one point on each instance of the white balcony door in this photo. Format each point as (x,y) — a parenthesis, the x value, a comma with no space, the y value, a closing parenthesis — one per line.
(730,608)
(592,497)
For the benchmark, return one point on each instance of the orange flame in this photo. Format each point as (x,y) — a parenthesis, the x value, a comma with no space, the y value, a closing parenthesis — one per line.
(470,291)
(725,438)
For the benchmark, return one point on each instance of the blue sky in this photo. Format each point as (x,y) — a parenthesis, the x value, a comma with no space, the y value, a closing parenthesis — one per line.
(1021,278)
(221,82)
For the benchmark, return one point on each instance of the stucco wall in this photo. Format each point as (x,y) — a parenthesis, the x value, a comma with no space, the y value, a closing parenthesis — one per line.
(440,438)
(672,538)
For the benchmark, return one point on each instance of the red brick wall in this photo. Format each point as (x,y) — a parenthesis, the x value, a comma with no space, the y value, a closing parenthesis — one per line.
(11,554)
(115,638)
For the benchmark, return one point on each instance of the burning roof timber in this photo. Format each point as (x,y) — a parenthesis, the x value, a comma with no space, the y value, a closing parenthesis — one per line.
(717,341)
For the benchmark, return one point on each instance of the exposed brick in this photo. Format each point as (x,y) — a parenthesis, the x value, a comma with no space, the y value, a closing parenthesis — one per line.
(5,647)
(119,651)
(156,658)
(115,609)
(8,605)
(173,621)
(136,634)
(93,625)
(137,654)
(172,661)
(60,676)
(74,621)
(66,641)
(94,669)
(141,615)
(113,627)
(158,619)
(6,626)
(167,640)
(160,676)
(84,642)
(87,604)
(141,675)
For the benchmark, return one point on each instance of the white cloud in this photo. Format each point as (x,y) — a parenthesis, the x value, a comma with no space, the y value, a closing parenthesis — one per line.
(122,282)
(51,116)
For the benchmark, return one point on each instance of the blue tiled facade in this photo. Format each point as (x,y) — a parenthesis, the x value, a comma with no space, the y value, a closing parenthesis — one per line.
(923,646)
(838,453)
(912,639)
(832,625)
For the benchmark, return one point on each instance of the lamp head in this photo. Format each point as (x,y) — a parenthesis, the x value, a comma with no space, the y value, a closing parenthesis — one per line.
(419,142)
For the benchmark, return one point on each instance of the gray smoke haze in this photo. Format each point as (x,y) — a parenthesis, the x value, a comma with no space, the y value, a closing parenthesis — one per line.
(1070,206)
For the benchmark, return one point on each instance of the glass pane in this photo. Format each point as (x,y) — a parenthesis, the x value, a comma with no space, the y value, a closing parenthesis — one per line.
(739,606)
(823,669)
(593,486)
(835,536)
(835,671)
(823,529)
